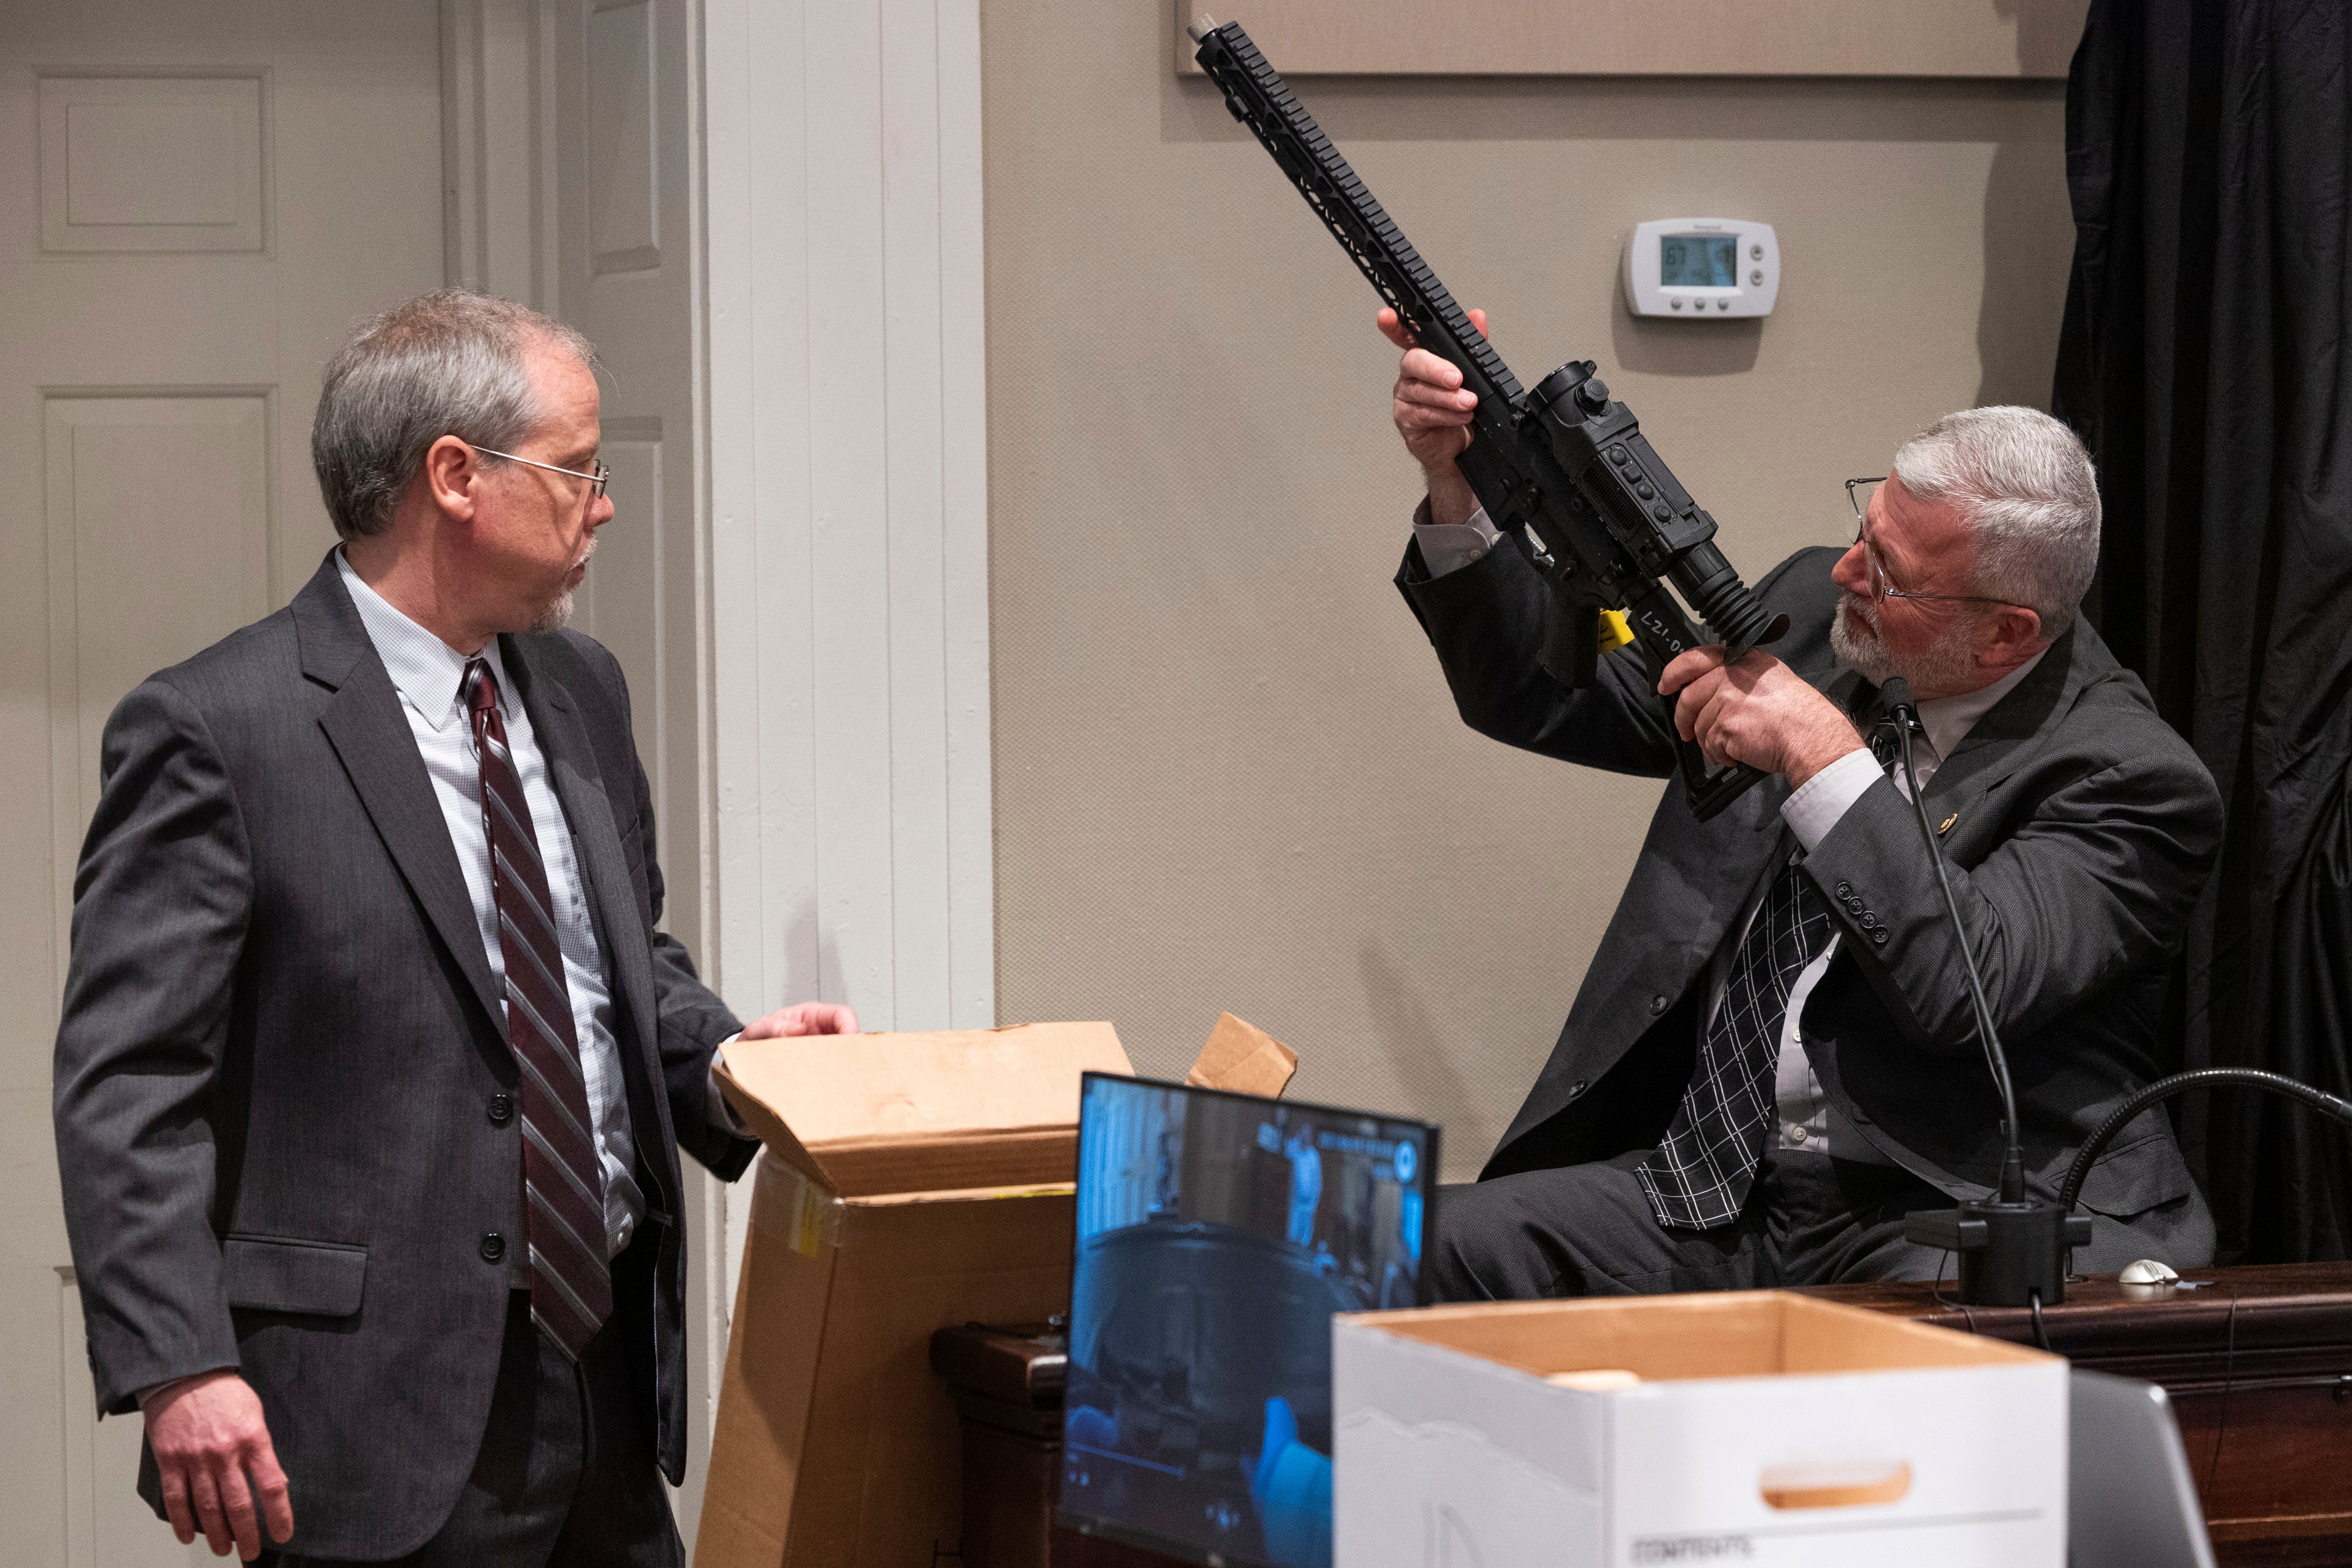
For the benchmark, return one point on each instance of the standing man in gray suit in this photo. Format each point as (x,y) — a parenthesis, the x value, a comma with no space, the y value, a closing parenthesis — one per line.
(1772,1057)
(374,1066)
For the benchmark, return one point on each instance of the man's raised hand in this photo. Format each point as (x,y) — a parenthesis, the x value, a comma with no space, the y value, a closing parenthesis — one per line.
(1433,411)
(208,1435)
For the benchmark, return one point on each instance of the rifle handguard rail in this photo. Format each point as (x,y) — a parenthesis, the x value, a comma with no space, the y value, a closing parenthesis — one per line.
(1565,464)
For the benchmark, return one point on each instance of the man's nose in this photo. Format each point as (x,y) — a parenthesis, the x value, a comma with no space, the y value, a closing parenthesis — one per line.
(1852,571)
(600,512)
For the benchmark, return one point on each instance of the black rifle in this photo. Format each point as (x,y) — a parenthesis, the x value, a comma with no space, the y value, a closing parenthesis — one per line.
(1603,516)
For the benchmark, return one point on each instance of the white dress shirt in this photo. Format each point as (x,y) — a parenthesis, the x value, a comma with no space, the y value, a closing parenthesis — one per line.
(428,674)
(1804,1120)
(1803,1117)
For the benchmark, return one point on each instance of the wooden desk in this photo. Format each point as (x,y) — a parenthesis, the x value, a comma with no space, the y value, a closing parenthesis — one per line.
(1007,1384)
(2258,1362)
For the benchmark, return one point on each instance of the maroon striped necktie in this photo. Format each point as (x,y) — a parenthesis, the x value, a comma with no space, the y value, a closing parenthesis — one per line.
(570,1284)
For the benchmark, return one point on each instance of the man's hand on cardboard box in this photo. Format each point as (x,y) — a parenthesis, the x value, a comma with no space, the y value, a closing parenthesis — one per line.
(803,1018)
(784,1022)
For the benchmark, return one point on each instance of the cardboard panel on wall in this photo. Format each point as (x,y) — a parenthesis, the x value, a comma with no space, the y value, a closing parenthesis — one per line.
(2012,38)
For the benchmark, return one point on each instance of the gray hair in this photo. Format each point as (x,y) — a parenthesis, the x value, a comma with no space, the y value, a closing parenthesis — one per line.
(2025,485)
(452,362)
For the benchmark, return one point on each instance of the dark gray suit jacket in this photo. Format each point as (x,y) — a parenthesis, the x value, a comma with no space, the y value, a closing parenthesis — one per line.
(279,1046)
(2084,828)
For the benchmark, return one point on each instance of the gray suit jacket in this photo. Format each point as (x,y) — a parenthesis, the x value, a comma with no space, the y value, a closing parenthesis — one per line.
(279,1045)
(2084,828)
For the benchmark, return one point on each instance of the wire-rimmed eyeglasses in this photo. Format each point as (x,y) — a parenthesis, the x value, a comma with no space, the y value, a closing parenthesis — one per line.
(1858,496)
(598,478)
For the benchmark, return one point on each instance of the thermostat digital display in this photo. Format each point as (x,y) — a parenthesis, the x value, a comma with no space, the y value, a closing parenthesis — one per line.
(1702,268)
(1697,262)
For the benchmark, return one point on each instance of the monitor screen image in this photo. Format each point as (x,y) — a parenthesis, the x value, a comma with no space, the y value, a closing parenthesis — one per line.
(1217,1234)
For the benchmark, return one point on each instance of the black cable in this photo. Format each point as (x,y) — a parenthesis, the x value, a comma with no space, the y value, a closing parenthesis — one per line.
(2041,1329)
(1896,694)
(2222,1415)
(2165,1088)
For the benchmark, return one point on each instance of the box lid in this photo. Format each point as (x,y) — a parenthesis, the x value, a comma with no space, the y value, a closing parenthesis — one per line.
(1241,1057)
(872,1114)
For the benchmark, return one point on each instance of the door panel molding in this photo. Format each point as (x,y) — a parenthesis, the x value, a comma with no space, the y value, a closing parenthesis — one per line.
(498,154)
(133,161)
(131,596)
(625,218)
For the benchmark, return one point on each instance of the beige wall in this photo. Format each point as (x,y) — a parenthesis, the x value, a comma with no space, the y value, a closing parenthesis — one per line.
(1228,772)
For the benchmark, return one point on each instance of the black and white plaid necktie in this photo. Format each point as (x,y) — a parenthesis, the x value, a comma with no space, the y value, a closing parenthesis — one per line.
(1871,721)
(571,1283)
(1701,1173)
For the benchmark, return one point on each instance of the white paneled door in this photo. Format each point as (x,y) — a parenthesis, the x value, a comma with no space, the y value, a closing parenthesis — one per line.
(196,198)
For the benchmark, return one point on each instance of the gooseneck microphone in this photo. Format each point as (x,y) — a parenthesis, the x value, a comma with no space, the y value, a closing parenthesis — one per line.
(2012,1248)
(1897,695)
(2164,1088)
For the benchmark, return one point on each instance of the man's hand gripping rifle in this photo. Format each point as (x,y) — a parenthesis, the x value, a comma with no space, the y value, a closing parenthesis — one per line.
(1603,516)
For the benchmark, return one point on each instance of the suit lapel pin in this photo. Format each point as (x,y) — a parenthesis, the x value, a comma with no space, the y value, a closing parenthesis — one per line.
(1946,828)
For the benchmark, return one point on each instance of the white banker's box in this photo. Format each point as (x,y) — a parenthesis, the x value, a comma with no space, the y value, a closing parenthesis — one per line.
(1764,1428)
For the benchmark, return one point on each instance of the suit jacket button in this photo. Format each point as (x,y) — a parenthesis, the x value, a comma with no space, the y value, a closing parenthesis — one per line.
(1845,889)
(1853,904)
(1657,1006)
(494,1247)
(501,1109)
(1879,936)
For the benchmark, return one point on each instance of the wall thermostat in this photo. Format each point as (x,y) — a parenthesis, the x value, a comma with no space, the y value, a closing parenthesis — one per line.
(1702,268)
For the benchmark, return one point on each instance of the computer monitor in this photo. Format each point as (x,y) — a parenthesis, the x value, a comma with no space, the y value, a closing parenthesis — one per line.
(2131,1500)
(1217,1233)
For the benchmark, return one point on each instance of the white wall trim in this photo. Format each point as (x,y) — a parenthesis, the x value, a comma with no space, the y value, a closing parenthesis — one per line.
(849,470)
(849,510)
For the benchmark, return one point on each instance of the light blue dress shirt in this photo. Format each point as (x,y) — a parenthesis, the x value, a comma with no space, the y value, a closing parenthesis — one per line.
(428,674)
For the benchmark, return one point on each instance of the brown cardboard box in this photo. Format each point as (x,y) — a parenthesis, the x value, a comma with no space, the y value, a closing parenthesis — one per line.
(910,1183)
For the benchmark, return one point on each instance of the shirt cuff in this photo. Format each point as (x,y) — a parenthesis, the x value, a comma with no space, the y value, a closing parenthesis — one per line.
(715,1109)
(1813,810)
(1450,546)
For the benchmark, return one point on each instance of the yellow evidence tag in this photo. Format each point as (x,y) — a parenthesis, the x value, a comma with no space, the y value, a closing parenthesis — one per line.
(1615,632)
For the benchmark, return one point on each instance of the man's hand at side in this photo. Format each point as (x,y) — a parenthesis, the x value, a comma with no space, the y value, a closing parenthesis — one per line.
(208,1435)
(1758,712)
(803,1018)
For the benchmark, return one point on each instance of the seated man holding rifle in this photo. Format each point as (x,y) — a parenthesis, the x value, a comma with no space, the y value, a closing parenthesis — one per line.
(1772,1057)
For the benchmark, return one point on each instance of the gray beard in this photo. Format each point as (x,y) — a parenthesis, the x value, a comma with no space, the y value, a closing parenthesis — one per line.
(556,613)
(555,617)
(1947,665)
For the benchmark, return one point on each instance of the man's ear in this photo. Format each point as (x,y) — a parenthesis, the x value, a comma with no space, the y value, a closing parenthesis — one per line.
(2016,637)
(451,469)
